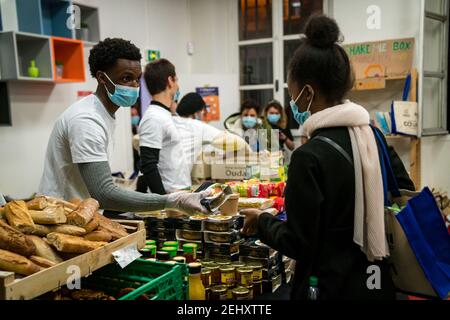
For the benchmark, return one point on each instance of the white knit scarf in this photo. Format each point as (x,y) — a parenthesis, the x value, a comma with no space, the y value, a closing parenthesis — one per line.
(369,227)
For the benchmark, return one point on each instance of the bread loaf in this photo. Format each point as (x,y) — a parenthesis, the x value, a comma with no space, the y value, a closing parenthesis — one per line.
(39,203)
(84,213)
(15,241)
(62,202)
(72,244)
(76,201)
(44,250)
(42,230)
(93,224)
(42,262)
(50,215)
(18,216)
(99,235)
(10,261)
(115,229)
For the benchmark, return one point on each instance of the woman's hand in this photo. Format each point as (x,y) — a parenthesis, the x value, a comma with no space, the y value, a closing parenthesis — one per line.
(251,221)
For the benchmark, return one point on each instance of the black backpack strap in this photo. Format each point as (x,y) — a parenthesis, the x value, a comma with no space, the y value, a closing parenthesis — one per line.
(336,147)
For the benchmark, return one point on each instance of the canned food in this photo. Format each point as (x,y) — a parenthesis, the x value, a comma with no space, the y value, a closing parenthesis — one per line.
(206,277)
(215,274)
(245,276)
(218,293)
(257,271)
(241,293)
(227,276)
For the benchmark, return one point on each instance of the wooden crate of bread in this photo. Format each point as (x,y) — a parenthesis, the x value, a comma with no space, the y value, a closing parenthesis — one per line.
(36,259)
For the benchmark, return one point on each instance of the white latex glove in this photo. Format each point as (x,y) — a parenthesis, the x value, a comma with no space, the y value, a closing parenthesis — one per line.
(187,202)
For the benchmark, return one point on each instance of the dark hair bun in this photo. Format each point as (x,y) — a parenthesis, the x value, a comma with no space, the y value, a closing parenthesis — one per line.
(322,32)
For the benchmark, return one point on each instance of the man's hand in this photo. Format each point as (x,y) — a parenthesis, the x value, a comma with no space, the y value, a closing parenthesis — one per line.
(187,202)
(283,137)
(251,221)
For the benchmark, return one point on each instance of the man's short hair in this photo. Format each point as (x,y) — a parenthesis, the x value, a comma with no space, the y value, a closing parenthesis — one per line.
(156,75)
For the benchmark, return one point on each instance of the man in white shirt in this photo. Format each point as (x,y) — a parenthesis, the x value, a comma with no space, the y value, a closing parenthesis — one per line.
(163,163)
(195,134)
(81,144)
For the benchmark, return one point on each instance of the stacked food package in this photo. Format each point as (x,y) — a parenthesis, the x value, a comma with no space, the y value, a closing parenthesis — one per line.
(45,231)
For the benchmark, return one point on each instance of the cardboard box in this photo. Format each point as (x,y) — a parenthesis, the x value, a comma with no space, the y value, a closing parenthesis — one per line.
(201,170)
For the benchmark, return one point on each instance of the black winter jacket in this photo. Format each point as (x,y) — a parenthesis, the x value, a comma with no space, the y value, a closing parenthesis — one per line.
(318,233)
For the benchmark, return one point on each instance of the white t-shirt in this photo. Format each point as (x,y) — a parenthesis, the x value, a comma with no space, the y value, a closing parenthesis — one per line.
(83,133)
(194,135)
(157,130)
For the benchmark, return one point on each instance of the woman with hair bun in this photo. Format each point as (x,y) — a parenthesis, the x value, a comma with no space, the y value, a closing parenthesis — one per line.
(334,194)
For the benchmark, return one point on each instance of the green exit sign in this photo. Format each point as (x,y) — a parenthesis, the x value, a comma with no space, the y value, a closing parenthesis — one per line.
(153,55)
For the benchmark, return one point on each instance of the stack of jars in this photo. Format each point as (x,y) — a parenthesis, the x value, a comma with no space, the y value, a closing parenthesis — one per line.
(231,281)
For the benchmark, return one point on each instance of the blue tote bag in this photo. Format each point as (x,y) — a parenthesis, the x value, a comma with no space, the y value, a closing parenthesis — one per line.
(425,231)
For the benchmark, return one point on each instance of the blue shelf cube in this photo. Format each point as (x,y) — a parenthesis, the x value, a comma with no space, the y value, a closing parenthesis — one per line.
(54,18)
(46,17)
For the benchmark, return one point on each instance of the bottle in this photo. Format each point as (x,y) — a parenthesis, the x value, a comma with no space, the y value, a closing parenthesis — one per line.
(33,72)
(196,288)
(313,290)
(190,252)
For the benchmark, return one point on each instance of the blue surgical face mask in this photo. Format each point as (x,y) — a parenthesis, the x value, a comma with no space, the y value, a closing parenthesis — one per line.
(301,117)
(249,122)
(177,95)
(273,118)
(123,96)
(135,120)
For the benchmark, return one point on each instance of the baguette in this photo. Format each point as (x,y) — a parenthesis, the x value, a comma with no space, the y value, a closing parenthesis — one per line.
(99,235)
(84,213)
(115,229)
(2,212)
(62,202)
(68,229)
(10,261)
(38,203)
(76,201)
(50,215)
(15,241)
(71,244)
(93,224)
(44,250)
(42,262)
(18,216)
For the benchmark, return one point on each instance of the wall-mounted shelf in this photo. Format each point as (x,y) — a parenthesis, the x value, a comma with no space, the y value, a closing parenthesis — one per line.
(46,17)
(17,50)
(71,54)
(5,109)
(54,18)
(89,16)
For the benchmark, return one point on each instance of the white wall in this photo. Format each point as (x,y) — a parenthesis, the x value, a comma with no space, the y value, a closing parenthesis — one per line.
(400,19)
(214,33)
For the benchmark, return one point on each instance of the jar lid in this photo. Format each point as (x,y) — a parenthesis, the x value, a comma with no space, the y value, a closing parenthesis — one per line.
(244,270)
(206,271)
(227,269)
(241,291)
(219,289)
(194,267)
(179,259)
(254,265)
(190,247)
(162,255)
(238,264)
(170,250)
(171,244)
(150,242)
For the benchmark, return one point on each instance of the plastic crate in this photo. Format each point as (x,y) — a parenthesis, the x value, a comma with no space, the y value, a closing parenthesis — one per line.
(157,280)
